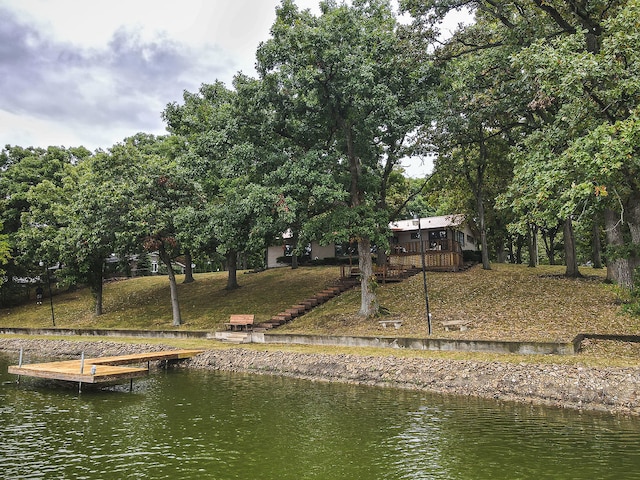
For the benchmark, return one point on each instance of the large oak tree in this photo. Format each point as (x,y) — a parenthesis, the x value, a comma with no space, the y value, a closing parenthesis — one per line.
(345,82)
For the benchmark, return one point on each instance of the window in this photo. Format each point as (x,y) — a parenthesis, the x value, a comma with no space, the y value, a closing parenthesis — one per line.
(436,235)
(346,249)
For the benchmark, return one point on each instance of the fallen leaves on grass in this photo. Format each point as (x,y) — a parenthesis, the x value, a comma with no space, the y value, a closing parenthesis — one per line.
(508,302)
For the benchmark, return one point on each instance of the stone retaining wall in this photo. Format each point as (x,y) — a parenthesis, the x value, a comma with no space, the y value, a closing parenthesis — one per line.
(615,390)
(441,344)
(432,344)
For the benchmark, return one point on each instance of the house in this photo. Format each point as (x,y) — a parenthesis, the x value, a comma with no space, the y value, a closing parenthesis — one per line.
(445,238)
(156,264)
(314,251)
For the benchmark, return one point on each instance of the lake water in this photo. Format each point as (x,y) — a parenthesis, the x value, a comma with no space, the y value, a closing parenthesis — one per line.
(196,425)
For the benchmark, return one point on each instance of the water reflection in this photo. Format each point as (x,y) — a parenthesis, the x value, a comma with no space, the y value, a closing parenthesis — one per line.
(191,424)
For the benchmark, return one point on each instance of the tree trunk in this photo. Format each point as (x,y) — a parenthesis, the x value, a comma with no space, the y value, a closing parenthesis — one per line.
(549,244)
(519,245)
(511,251)
(368,302)
(533,245)
(232,267)
(173,287)
(294,254)
(633,220)
(97,292)
(483,231)
(618,268)
(188,269)
(596,244)
(96,277)
(502,253)
(570,250)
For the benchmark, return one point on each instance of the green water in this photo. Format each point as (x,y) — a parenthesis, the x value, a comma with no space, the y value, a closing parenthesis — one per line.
(180,424)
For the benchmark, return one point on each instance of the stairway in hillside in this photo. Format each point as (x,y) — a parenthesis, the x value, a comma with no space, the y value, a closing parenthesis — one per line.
(309,304)
(344,284)
(306,305)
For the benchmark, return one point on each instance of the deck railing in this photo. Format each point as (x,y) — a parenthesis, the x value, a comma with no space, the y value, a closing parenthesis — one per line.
(383,274)
(445,254)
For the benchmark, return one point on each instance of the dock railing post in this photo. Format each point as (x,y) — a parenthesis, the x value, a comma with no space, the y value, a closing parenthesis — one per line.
(20,361)
(81,372)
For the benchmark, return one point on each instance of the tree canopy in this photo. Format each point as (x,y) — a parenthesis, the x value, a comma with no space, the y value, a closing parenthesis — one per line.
(531,113)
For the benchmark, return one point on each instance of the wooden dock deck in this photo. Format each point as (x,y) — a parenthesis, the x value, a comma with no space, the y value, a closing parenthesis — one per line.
(101,369)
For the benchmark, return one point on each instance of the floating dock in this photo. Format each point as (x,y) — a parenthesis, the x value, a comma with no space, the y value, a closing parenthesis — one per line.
(98,370)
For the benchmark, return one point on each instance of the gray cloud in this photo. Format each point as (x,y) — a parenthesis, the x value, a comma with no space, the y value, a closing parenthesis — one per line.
(124,84)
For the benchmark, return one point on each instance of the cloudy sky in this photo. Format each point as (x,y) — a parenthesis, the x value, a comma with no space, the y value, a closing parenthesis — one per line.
(78,72)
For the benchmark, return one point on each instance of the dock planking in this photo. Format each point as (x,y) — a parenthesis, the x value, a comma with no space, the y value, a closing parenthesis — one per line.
(101,369)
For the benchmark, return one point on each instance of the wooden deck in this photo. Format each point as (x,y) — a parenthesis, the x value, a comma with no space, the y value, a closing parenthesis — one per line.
(99,370)
(443,255)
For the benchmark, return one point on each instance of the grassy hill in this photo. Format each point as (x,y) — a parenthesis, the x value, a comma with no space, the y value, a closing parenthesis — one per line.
(509,302)
(144,302)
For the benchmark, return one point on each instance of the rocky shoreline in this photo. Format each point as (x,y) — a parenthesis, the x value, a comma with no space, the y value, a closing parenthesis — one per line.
(613,389)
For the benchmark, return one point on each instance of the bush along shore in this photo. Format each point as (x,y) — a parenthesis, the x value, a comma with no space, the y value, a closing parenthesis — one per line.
(610,389)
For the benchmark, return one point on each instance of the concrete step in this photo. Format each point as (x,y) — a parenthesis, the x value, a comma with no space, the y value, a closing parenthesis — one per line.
(236,337)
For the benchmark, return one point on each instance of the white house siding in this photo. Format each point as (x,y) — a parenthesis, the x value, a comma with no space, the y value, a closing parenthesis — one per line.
(272,256)
(321,252)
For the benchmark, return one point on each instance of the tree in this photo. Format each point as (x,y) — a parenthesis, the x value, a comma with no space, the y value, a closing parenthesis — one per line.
(22,171)
(162,192)
(587,91)
(91,224)
(224,156)
(4,255)
(475,121)
(344,82)
(575,70)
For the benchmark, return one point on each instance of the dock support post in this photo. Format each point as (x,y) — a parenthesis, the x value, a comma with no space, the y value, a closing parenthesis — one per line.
(81,372)
(20,361)
(130,385)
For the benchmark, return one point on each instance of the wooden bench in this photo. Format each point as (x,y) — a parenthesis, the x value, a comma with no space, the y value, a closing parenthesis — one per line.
(240,322)
(396,323)
(461,325)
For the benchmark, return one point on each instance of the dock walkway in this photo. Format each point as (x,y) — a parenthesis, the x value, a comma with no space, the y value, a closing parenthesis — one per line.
(101,369)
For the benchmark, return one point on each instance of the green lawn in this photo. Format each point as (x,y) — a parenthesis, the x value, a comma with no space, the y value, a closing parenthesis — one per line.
(144,303)
(510,302)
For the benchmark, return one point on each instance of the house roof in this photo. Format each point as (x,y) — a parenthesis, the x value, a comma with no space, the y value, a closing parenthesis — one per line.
(427,223)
